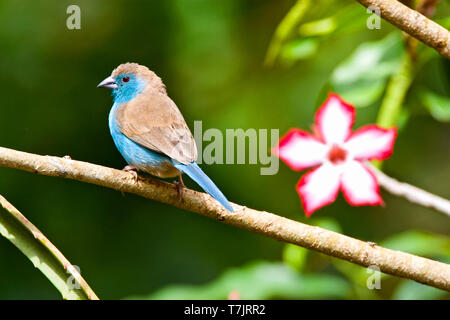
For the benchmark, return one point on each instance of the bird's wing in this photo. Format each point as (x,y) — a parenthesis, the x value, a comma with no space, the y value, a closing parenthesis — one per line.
(153,120)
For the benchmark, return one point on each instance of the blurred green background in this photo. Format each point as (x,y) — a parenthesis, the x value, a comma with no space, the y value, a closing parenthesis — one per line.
(211,56)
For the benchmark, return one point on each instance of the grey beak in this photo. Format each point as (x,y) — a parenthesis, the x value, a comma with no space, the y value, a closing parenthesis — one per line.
(108,83)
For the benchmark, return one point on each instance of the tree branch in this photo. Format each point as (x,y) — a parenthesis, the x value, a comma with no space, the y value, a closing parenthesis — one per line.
(413,23)
(426,271)
(411,193)
(42,253)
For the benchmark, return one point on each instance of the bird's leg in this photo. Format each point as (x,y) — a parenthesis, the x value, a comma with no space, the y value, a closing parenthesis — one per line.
(132,169)
(179,185)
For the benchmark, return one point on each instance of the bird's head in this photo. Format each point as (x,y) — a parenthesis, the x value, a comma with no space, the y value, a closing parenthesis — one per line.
(130,79)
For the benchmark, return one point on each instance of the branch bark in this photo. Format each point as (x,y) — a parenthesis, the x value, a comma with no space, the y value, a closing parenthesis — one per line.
(426,271)
(413,23)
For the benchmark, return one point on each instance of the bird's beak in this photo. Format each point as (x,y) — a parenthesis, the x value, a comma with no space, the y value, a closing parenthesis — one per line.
(108,83)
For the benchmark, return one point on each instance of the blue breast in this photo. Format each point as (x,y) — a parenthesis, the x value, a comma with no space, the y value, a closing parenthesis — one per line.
(135,154)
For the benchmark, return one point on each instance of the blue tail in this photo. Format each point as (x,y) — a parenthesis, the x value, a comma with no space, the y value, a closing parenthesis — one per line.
(196,174)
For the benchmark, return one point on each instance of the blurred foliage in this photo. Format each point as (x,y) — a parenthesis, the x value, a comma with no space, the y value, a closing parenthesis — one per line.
(292,278)
(261,280)
(439,106)
(409,290)
(221,65)
(362,77)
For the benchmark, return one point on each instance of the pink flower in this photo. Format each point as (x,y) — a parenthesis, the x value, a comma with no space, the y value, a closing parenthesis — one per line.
(337,155)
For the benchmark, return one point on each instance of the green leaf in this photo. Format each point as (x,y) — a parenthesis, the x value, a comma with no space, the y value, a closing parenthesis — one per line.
(364,93)
(318,27)
(411,290)
(284,29)
(260,280)
(295,256)
(362,77)
(437,105)
(300,49)
(419,243)
(350,19)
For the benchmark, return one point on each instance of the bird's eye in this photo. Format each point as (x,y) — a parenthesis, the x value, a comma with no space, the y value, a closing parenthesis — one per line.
(125,79)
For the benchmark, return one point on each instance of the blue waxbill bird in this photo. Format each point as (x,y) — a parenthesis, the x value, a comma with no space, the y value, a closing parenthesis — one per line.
(150,131)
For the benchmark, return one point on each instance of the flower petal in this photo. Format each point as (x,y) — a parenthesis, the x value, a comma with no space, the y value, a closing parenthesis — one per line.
(335,119)
(359,185)
(300,150)
(371,142)
(319,187)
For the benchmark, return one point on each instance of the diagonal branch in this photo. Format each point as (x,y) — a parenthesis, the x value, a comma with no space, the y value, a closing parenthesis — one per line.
(42,253)
(413,23)
(426,271)
(411,193)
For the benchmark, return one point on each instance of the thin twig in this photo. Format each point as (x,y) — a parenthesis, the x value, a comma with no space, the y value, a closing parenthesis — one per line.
(43,254)
(411,193)
(413,23)
(396,91)
(290,20)
(426,271)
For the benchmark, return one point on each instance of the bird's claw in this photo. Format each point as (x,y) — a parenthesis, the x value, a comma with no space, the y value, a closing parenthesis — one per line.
(179,185)
(132,170)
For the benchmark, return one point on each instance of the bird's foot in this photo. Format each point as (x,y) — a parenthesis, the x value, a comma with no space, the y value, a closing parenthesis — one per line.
(179,185)
(132,170)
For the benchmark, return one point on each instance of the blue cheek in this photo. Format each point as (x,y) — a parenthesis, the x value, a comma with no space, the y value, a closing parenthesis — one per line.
(127,91)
